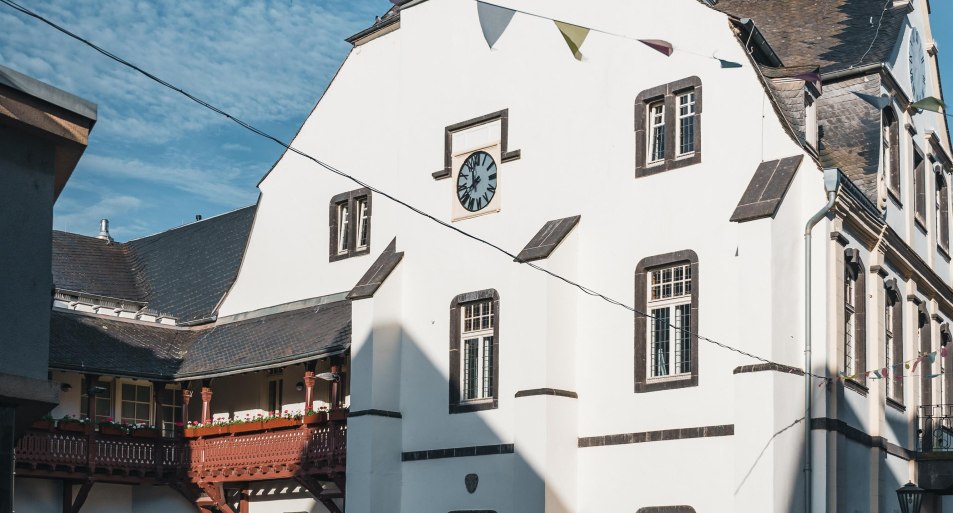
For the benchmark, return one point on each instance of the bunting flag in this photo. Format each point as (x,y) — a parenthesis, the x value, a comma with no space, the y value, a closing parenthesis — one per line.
(879,102)
(932,357)
(916,362)
(574,35)
(876,374)
(666,48)
(931,376)
(929,103)
(493,20)
(943,352)
(885,372)
(728,64)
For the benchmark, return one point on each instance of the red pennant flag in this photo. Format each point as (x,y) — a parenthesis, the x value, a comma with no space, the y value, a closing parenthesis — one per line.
(659,45)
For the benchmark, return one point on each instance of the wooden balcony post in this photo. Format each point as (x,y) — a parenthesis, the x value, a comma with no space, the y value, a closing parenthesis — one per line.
(309,380)
(186,397)
(335,388)
(91,380)
(206,401)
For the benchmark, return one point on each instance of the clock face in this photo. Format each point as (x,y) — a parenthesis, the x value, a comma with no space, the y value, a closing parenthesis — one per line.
(476,181)
(918,78)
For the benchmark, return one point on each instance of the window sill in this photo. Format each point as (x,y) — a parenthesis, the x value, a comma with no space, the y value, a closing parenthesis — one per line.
(668,164)
(343,256)
(471,406)
(895,196)
(920,223)
(672,383)
(856,387)
(897,405)
(944,252)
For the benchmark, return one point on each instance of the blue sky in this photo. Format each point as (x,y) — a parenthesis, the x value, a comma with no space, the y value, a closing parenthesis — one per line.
(155,159)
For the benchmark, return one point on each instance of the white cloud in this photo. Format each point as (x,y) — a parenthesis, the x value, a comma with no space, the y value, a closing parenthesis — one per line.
(75,216)
(219,185)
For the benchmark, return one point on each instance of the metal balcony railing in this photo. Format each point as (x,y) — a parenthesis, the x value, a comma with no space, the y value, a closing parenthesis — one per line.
(935,430)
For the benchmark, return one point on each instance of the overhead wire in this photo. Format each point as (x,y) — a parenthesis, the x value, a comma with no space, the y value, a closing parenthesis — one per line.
(334,170)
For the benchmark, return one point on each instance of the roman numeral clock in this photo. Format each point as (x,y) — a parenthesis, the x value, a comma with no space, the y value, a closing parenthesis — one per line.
(476,179)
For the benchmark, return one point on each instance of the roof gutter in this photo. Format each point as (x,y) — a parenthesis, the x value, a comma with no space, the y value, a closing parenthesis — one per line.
(255,368)
(753,35)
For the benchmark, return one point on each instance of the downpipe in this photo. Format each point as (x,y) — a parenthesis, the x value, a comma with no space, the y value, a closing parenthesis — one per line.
(831,181)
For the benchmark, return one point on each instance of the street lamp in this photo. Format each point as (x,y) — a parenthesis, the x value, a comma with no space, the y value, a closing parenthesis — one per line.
(910,497)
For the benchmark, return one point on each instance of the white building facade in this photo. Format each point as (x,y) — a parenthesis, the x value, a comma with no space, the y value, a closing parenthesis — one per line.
(677,183)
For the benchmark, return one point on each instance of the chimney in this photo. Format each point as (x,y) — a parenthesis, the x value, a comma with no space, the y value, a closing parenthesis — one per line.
(104,231)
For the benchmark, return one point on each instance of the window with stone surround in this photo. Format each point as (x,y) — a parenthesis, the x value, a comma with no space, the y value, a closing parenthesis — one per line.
(893,339)
(474,351)
(919,189)
(350,221)
(668,127)
(853,334)
(890,139)
(666,344)
(942,210)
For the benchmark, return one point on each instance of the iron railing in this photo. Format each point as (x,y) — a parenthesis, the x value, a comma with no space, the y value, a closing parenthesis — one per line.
(935,430)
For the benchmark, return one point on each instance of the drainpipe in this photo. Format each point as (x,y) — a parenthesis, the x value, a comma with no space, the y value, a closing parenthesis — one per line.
(831,180)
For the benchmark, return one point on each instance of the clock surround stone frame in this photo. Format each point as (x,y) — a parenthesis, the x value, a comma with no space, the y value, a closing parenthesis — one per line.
(506,155)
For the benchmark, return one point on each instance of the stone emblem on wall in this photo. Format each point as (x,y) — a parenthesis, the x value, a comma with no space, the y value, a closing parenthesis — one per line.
(472,480)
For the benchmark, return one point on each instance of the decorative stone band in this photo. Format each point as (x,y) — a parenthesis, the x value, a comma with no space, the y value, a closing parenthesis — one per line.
(547,391)
(657,436)
(457,452)
(852,433)
(374,413)
(764,367)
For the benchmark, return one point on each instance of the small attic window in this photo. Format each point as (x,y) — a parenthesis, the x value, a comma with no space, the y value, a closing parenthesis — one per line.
(810,118)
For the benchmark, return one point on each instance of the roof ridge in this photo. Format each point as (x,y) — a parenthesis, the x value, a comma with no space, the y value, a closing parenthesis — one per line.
(193,223)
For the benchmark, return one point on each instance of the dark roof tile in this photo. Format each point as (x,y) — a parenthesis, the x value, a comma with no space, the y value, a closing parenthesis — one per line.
(93,266)
(547,238)
(768,186)
(378,272)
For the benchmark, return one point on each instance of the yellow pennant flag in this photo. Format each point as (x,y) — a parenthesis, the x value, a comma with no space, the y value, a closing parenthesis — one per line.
(574,36)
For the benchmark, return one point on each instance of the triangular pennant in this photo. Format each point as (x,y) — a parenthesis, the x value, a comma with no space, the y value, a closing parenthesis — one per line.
(931,376)
(916,361)
(661,46)
(493,20)
(932,357)
(929,103)
(879,102)
(885,372)
(728,64)
(574,36)
(876,374)
(943,352)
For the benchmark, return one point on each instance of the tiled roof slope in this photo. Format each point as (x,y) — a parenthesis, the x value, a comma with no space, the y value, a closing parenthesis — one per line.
(93,266)
(184,272)
(833,34)
(99,344)
(282,337)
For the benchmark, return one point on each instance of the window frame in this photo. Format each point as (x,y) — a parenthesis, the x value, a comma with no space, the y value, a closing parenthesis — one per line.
(110,385)
(668,95)
(890,141)
(121,399)
(919,189)
(644,382)
(340,249)
(854,269)
(893,338)
(941,196)
(457,404)
(174,391)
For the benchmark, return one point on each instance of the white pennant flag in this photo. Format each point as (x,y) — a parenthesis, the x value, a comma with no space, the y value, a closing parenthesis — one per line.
(493,21)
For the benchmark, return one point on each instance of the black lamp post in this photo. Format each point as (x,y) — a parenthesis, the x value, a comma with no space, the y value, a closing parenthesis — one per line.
(911,496)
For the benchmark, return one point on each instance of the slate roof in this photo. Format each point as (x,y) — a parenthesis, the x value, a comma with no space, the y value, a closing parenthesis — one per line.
(832,34)
(378,272)
(185,271)
(182,272)
(284,337)
(93,266)
(547,238)
(99,344)
(92,343)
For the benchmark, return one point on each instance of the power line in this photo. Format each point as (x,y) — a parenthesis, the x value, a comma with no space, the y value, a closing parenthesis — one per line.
(361,183)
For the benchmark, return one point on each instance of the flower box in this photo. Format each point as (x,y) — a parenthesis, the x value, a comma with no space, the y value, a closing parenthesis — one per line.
(105,429)
(337,415)
(315,418)
(146,433)
(280,423)
(206,431)
(42,424)
(245,427)
(74,427)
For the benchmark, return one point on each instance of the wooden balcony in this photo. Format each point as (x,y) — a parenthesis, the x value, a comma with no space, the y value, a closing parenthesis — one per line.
(307,453)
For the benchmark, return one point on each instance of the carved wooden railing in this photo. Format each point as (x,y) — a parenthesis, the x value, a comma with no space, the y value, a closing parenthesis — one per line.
(95,453)
(270,454)
(277,454)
